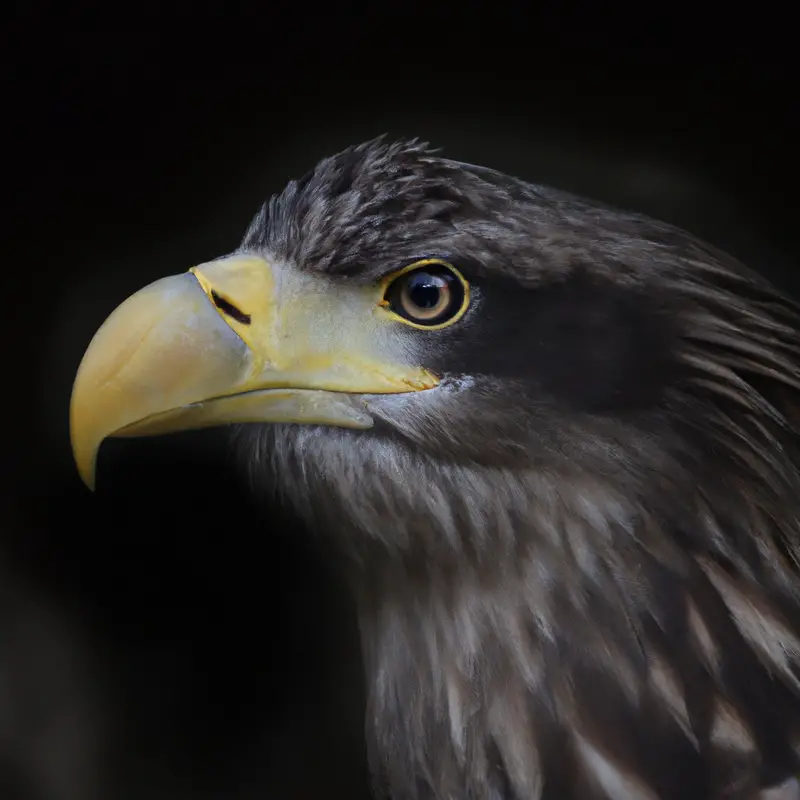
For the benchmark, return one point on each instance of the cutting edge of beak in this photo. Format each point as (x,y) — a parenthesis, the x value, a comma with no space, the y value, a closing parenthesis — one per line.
(181,354)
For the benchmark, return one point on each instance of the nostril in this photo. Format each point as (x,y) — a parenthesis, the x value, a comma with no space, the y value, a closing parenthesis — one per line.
(226,307)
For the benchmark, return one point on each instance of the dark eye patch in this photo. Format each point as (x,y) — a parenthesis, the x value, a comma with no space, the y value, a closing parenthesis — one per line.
(584,342)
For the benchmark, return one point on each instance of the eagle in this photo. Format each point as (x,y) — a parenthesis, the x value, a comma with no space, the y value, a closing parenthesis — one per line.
(553,443)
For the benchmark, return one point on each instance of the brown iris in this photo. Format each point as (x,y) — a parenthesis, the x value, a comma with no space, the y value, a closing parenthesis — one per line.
(429,295)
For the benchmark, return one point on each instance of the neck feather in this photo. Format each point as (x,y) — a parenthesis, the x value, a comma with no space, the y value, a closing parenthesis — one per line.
(559,667)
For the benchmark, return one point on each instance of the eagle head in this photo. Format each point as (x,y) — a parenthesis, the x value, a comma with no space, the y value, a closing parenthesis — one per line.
(554,443)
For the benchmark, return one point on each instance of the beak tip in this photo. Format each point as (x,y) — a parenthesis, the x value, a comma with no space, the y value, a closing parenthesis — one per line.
(84,456)
(86,469)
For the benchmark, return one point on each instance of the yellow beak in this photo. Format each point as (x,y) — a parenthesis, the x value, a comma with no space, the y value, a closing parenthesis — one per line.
(235,340)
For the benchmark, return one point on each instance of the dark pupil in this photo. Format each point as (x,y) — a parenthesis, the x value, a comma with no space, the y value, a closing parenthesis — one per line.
(424,291)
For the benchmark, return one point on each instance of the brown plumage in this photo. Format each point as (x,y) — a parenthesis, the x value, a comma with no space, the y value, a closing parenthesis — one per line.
(575,560)
(577,569)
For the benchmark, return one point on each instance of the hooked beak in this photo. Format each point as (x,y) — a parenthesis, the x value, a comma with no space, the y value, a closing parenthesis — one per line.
(234,340)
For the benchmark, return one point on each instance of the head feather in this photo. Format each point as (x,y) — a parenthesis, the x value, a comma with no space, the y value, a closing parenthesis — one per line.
(559,600)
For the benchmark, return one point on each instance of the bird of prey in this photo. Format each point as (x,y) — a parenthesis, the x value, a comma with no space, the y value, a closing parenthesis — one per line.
(555,445)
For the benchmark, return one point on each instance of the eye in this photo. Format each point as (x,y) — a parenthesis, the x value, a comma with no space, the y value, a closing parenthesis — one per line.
(428,294)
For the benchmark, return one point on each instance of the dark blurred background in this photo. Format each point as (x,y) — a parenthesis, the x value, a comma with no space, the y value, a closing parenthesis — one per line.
(170,636)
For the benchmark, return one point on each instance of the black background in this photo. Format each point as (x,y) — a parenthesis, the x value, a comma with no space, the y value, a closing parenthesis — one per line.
(166,637)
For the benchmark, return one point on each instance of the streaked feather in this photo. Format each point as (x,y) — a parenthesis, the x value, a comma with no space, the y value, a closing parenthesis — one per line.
(570,584)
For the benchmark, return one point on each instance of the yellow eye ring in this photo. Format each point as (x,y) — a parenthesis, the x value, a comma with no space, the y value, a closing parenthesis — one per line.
(429,295)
